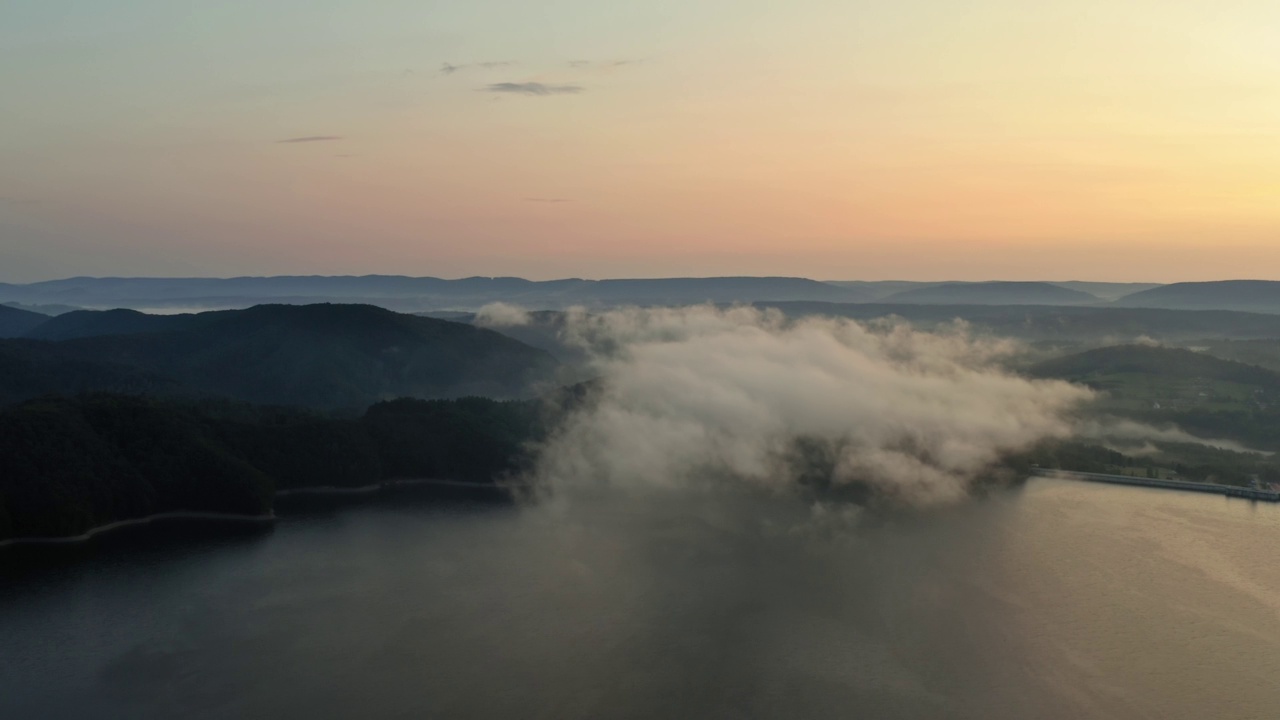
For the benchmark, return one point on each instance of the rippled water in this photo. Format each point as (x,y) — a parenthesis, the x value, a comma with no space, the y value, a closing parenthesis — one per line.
(1062,600)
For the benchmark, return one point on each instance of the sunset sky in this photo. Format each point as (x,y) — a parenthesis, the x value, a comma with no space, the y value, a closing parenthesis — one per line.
(835,139)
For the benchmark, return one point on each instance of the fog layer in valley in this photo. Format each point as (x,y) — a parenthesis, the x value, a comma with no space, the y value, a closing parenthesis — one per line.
(697,395)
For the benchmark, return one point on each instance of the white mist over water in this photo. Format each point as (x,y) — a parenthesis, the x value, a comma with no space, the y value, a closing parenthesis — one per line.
(692,395)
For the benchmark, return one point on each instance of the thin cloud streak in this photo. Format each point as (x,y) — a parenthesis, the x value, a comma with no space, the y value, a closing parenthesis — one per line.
(603,64)
(533,88)
(450,68)
(547,200)
(309,138)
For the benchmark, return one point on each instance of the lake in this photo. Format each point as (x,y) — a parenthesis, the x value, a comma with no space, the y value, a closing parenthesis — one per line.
(1058,600)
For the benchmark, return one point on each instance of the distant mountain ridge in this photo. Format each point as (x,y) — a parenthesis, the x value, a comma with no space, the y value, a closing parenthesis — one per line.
(1242,295)
(1063,322)
(1107,290)
(432,294)
(993,293)
(879,290)
(417,294)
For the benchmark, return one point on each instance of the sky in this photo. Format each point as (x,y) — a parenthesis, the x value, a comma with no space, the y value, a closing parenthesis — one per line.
(834,139)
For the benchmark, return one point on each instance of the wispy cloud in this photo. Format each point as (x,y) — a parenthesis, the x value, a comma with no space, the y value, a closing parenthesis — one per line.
(547,200)
(601,64)
(450,68)
(310,138)
(533,88)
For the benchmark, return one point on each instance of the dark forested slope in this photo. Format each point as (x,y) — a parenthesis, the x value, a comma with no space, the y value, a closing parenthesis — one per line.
(16,323)
(321,356)
(1155,361)
(70,464)
(31,369)
(418,293)
(93,323)
(1204,395)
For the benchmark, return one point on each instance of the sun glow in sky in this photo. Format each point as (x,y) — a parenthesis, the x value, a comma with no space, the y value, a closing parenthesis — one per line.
(916,139)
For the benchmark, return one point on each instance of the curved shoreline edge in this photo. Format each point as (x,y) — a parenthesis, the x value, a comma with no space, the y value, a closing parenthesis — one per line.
(89,534)
(1231,491)
(385,485)
(265,519)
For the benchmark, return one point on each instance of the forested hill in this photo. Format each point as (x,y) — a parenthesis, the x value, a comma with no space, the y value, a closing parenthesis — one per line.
(30,369)
(15,322)
(1043,322)
(1247,295)
(93,323)
(1161,362)
(1204,395)
(68,465)
(319,356)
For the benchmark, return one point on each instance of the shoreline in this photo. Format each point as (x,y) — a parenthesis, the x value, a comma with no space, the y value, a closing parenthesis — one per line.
(89,534)
(331,490)
(265,519)
(1231,491)
(384,485)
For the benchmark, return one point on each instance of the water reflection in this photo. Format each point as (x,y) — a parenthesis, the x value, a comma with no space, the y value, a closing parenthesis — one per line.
(1059,601)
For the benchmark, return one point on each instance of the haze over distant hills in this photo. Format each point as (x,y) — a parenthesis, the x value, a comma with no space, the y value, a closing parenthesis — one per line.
(1105,324)
(879,289)
(993,293)
(1245,295)
(436,295)
(882,289)
(415,294)
(1107,290)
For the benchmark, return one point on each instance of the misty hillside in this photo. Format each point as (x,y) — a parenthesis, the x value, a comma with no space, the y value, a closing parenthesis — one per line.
(16,323)
(1175,388)
(1261,352)
(1106,324)
(324,356)
(686,291)
(1244,295)
(543,330)
(993,293)
(418,294)
(881,289)
(50,310)
(1155,361)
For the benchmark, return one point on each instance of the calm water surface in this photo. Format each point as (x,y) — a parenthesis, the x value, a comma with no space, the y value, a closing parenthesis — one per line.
(1062,600)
